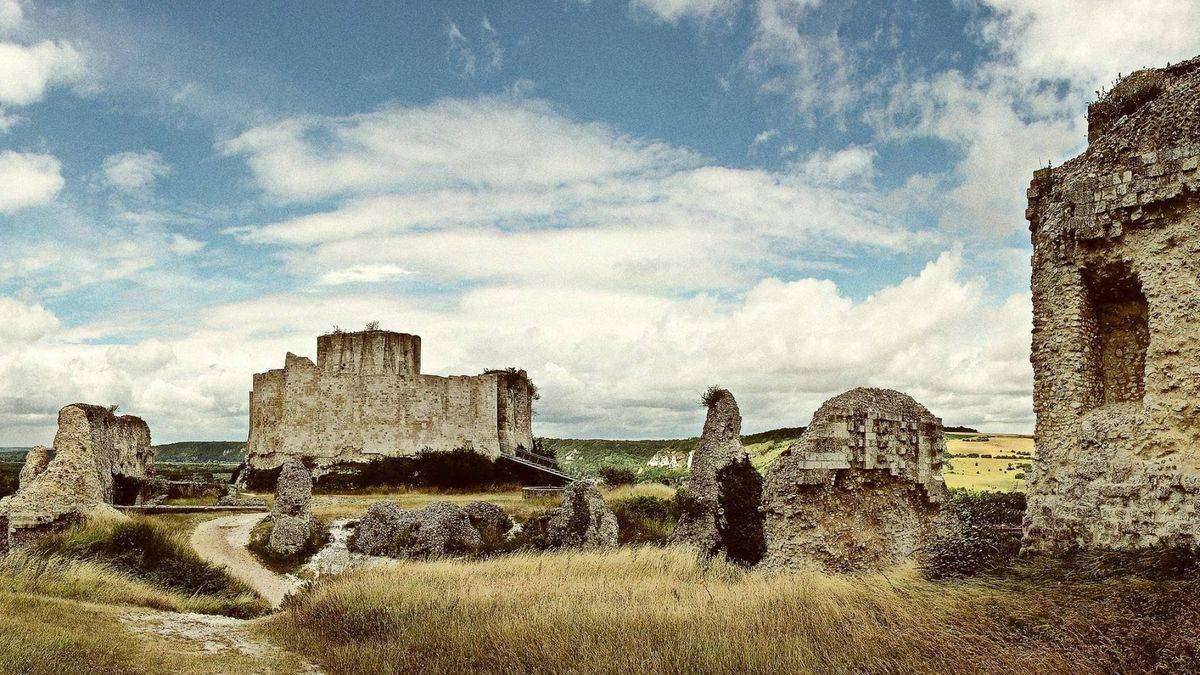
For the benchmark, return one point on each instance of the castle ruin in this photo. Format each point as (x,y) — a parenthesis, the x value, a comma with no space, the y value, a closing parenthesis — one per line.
(99,459)
(366,399)
(1116,335)
(861,489)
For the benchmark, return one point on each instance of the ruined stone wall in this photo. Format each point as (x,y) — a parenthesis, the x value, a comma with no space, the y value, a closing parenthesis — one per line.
(365,399)
(862,487)
(1116,337)
(99,459)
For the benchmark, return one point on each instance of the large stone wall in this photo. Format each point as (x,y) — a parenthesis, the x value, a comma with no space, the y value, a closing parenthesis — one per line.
(99,459)
(365,398)
(1116,336)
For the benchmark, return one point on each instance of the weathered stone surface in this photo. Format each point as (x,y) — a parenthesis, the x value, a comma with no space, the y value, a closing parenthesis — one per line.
(292,522)
(99,459)
(490,520)
(1116,331)
(584,520)
(438,530)
(365,399)
(721,499)
(36,462)
(862,487)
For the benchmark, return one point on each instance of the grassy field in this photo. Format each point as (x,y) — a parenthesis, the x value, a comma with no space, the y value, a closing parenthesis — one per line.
(654,609)
(1000,465)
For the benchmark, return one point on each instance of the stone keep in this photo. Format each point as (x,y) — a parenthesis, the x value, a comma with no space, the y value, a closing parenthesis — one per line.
(1116,326)
(861,489)
(98,459)
(365,399)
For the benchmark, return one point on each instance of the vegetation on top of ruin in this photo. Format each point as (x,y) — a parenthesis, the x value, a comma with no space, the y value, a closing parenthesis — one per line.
(711,395)
(513,371)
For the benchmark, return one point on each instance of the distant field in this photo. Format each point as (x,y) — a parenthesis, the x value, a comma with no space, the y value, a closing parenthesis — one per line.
(1001,459)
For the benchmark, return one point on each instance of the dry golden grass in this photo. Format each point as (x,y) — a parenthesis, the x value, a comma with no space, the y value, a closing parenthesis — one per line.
(658,610)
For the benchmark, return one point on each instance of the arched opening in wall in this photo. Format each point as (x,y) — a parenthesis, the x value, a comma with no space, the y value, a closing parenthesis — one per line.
(126,490)
(1122,332)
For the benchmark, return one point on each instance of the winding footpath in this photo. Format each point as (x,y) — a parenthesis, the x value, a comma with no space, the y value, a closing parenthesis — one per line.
(222,542)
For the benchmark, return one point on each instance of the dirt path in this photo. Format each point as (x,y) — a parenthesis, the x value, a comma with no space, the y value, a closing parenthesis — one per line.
(222,541)
(212,644)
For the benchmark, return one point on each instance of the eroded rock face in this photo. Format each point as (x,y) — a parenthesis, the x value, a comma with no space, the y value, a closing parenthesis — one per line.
(292,519)
(720,500)
(490,520)
(861,489)
(438,530)
(36,462)
(99,459)
(584,520)
(1116,330)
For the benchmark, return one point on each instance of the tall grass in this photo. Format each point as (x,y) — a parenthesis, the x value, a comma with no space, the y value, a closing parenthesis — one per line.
(141,551)
(44,635)
(654,609)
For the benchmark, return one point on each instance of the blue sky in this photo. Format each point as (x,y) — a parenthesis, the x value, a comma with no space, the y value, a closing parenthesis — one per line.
(630,199)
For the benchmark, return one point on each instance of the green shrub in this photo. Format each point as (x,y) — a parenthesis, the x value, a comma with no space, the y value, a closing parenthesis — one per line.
(644,519)
(984,534)
(614,476)
(664,475)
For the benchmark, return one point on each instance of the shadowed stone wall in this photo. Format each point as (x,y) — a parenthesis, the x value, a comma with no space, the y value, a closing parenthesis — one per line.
(1116,335)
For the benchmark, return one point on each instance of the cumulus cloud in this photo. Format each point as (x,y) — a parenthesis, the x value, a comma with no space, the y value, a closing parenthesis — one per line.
(29,179)
(26,72)
(134,172)
(781,346)
(1091,42)
(674,11)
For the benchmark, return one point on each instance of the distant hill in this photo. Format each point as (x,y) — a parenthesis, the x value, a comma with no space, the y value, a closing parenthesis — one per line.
(668,455)
(201,452)
(15,455)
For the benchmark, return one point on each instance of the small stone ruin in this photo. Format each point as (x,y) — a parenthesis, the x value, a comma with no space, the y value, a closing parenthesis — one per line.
(292,521)
(438,530)
(98,459)
(1116,325)
(860,490)
(721,498)
(584,520)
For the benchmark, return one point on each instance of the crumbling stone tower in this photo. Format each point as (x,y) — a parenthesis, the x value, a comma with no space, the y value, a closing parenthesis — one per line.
(1116,331)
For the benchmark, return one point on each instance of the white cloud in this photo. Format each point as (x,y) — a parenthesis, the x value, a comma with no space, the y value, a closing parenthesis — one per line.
(460,51)
(28,179)
(813,69)
(11,15)
(1091,42)
(362,274)
(492,49)
(853,162)
(135,172)
(26,72)
(182,245)
(673,11)
(512,189)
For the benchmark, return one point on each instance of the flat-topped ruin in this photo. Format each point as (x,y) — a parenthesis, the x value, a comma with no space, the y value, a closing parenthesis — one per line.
(1116,335)
(366,399)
